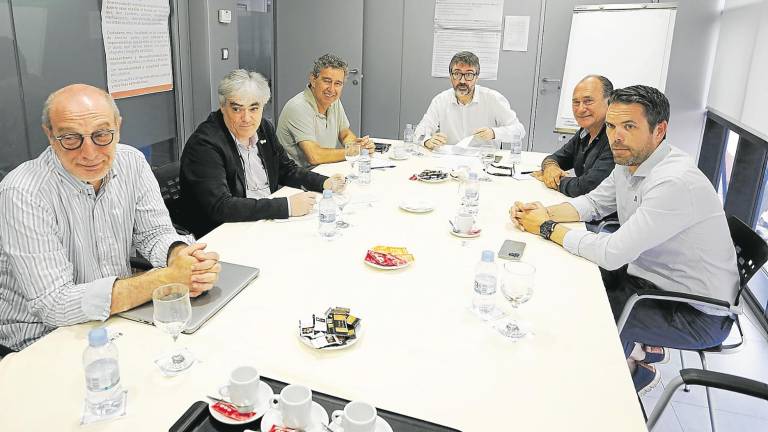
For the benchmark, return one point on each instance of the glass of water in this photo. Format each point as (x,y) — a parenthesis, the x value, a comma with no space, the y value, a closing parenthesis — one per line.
(517,282)
(487,154)
(352,154)
(341,197)
(172,311)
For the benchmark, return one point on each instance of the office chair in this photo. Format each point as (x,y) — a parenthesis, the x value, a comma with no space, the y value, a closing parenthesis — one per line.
(708,379)
(751,254)
(168,179)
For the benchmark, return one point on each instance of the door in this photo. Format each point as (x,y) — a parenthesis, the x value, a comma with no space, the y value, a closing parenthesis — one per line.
(554,46)
(308,29)
(255,44)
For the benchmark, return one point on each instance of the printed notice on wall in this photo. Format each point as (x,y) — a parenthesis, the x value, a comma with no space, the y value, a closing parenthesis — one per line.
(137,44)
(516,33)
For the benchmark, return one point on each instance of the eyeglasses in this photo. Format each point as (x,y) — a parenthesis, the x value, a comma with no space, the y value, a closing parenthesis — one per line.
(73,141)
(468,76)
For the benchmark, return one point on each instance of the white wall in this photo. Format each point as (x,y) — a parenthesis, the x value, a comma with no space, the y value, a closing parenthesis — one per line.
(739,88)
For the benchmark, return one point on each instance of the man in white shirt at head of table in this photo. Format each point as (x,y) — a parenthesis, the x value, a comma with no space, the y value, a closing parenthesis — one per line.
(467,109)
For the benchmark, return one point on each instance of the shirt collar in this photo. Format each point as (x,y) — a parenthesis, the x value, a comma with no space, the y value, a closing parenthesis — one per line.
(73,181)
(310,98)
(657,156)
(251,141)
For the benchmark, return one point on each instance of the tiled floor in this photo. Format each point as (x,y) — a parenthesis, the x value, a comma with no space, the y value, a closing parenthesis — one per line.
(733,412)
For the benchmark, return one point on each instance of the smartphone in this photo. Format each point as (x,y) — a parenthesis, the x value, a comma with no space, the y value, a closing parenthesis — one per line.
(511,250)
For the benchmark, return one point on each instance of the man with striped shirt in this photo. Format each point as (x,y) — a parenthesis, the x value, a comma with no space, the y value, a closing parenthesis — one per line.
(69,218)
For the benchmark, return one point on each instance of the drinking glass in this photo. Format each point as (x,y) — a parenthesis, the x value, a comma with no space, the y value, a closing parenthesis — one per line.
(341,198)
(487,154)
(517,281)
(352,154)
(172,311)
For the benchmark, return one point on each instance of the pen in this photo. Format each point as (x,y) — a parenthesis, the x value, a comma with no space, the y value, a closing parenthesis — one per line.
(384,166)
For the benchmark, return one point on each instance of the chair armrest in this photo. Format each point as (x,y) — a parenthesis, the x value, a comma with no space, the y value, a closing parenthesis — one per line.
(607,223)
(725,381)
(692,299)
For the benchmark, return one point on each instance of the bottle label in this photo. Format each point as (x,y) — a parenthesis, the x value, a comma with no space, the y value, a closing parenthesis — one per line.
(327,217)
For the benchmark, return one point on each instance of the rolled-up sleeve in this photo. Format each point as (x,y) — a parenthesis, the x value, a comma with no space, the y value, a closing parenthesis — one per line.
(43,271)
(669,201)
(153,231)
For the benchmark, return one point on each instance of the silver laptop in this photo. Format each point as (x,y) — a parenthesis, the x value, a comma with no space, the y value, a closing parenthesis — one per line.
(232,279)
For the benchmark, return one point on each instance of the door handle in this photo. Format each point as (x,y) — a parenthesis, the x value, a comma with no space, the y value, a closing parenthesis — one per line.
(550,80)
(354,70)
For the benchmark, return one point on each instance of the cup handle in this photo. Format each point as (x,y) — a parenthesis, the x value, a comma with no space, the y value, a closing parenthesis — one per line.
(336,417)
(224,391)
(274,402)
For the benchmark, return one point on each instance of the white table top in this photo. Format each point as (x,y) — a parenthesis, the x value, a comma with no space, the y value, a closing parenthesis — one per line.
(422,354)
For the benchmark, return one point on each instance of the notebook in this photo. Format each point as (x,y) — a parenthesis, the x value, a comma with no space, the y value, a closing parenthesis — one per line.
(232,279)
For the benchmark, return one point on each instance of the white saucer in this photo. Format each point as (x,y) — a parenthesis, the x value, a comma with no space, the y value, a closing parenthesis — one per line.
(274,417)
(417,206)
(358,335)
(381,426)
(468,235)
(265,394)
(381,267)
(392,156)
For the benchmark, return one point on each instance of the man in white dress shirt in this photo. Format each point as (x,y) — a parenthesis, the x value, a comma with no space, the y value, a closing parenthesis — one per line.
(467,109)
(673,236)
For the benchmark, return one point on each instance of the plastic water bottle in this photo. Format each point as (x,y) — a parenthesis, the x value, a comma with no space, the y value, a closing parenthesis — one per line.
(364,166)
(516,152)
(327,215)
(470,197)
(408,137)
(102,374)
(485,287)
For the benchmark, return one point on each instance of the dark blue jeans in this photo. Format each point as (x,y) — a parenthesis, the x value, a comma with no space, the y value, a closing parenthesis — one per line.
(661,323)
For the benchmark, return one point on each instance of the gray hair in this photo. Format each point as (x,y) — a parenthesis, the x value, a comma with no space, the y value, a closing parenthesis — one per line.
(241,81)
(329,61)
(607,84)
(467,58)
(654,102)
(45,118)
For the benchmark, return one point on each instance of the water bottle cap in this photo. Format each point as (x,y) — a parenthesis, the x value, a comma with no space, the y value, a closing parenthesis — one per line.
(472,175)
(97,337)
(327,193)
(487,256)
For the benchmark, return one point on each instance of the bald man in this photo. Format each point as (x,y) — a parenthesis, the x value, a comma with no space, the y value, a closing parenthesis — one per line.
(69,218)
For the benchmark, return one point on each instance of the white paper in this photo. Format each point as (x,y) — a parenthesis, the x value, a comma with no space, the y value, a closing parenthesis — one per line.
(464,14)
(465,141)
(516,33)
(485,45)
(137,45)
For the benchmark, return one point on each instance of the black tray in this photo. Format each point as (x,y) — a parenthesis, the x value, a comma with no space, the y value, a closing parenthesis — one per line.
(198,418)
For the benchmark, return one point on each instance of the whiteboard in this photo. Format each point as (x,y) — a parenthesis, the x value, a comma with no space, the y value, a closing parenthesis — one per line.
(628,44)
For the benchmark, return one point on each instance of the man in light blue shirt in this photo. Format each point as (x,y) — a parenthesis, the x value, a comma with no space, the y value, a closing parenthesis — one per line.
(673,236)
(69,218)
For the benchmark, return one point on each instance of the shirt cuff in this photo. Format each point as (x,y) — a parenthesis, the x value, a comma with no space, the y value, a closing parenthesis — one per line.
(97,299)
(289,206)
(160,252)
(572,240)
(584,207)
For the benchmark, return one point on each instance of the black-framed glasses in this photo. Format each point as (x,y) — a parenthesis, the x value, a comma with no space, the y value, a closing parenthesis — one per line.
(73,141)
(468,76)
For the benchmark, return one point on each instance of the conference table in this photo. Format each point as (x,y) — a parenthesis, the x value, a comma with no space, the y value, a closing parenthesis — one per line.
(421,352)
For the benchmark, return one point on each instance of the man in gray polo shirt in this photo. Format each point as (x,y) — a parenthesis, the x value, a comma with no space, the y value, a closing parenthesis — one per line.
(313,126)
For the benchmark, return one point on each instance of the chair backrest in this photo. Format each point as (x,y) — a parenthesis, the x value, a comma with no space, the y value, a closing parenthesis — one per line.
(168,179)
(751,250)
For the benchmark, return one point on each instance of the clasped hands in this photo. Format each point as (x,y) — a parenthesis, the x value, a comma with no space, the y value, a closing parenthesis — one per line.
(528,216)
(194,267)
(550,175)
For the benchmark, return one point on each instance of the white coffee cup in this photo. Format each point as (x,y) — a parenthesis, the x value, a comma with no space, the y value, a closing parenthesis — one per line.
(463,222)
(357,416)
(243,388)
(295,406)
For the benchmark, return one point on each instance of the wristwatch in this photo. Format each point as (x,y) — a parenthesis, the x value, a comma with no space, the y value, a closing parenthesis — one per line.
(547,228)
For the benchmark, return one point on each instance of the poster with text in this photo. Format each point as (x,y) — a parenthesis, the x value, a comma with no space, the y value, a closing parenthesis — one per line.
(137,44)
